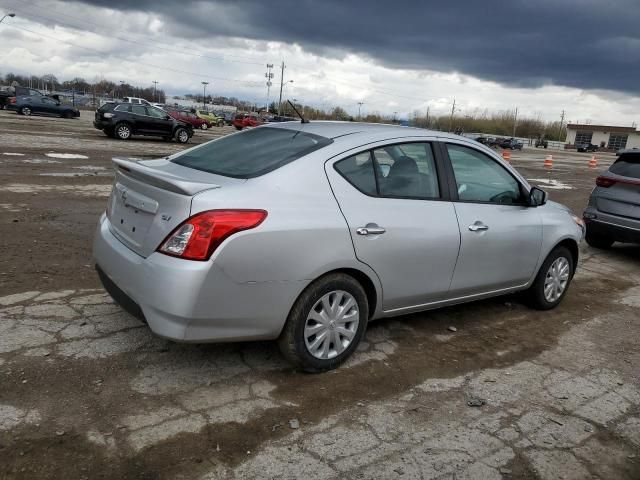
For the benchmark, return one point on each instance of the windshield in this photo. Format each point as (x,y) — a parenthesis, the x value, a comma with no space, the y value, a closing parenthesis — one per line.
(252,153)
(628,165)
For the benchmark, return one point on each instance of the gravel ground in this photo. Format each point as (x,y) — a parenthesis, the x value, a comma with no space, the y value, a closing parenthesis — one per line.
(87,391)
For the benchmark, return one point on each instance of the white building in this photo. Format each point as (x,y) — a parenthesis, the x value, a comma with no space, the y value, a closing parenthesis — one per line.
(604,136)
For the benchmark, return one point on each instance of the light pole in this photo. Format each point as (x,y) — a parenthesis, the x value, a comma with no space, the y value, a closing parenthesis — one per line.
(204,91)
(7,15)
(155,85)
(359,107)
(280,101)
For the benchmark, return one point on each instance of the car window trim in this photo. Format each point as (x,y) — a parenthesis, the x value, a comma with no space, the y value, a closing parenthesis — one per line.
(442,185)
(454,185)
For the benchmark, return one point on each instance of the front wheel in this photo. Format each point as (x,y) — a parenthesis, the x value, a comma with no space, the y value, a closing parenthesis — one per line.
(25,111)
(203,126)
(325,324)
(553,279)
(182,136)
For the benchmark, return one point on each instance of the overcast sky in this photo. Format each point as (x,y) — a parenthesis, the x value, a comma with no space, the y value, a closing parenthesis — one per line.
(543,56)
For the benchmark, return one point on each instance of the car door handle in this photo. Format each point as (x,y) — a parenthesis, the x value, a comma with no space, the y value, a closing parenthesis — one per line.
(370,229)
(478,226)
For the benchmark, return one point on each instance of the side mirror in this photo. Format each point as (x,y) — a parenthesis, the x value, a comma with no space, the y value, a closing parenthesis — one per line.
(537,197)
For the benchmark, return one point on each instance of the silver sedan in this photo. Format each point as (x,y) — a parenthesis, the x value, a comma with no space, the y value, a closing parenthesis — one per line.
(305,232)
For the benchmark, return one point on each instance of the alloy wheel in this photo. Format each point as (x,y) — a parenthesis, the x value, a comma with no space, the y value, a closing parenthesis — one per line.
(331,324)
(556,280)
(26,111)
(124,132)
(183,136)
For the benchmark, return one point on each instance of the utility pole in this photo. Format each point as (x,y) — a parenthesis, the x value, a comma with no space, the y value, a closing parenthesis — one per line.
(155,85)
(560,127)
(204,94)
(453,109)
(359,107)
(269,76)
(428,125)
(281,87)
(515,122)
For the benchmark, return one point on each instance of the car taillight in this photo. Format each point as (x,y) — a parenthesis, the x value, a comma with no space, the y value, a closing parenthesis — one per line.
(605,182)
(108,115)
(199,236)
(12,100)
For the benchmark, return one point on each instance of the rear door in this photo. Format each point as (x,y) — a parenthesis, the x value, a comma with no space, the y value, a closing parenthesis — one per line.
(622,198)
(501,237)
(401,222)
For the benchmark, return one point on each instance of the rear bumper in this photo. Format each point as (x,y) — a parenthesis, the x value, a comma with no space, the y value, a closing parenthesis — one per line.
(190,301)
(621,229)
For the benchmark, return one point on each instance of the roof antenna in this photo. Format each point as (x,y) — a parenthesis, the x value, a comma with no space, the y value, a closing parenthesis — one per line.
(302,119)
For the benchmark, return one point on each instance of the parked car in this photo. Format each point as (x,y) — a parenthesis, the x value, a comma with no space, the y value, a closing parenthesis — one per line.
(212,118)
(282,118)
(244,120)
(136,100)
(41,105)
(122,120)
(206,246)
(511,143)
(190,118)
(613,212)
(586,147)
(228,117)
(542,142)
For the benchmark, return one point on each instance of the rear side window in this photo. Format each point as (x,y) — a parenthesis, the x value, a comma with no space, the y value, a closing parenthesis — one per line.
(122,108)
(358,170)
(627,165)
(106,107)
(252,153)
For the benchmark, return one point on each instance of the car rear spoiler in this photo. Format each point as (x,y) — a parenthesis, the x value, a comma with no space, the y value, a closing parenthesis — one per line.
(159,178)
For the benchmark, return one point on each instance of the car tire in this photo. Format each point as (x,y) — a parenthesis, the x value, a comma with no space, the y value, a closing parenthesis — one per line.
(181,135)
(122,131)
(238,128)
(553,280)
(203,126)
(68,115)
(25,111)
(598,240)
(312,320)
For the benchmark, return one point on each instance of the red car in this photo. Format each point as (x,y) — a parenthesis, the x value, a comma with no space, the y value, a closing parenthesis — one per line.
(243,120)
(191,118)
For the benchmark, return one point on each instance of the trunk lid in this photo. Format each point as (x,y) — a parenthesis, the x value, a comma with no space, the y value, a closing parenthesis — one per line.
(151,198)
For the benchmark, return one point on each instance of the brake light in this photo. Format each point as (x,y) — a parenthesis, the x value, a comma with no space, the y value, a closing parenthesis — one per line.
(12,100)
(108,115)
(199,236)
(605,182)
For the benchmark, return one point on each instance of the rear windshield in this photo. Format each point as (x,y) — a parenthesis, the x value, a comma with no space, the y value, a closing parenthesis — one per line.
(627,165)
(252,153)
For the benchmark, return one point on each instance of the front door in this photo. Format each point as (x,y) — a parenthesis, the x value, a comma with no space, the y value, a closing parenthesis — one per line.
(400,222)
(144,123)
(501,237)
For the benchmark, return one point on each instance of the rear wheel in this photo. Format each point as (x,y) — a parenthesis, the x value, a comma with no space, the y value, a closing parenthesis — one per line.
(553,279)
(325,324)
(204,126)
(598,240)
(182,136)
(25,111)
(123,131)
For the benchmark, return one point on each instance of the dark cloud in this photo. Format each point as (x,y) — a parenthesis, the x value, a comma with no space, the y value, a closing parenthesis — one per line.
(588,44)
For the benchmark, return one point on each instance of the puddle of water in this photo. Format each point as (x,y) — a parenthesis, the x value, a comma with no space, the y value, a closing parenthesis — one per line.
(65,155)
(551,183)
(39,160)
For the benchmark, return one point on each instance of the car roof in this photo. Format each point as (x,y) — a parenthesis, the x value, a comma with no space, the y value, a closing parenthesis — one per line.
(335,129)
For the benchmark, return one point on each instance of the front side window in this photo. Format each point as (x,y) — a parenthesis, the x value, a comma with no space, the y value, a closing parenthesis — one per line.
(480,178)
(155,113)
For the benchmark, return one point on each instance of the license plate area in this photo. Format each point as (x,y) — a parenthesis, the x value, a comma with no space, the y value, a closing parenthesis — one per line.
(131,214)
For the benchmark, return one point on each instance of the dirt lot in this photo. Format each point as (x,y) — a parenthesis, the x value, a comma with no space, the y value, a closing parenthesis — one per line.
(87,392)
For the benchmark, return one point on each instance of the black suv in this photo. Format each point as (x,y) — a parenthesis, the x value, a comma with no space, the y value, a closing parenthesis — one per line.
(122,120)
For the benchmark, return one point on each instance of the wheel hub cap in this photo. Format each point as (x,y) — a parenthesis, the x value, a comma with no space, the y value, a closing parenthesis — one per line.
(557,279)
(331,325)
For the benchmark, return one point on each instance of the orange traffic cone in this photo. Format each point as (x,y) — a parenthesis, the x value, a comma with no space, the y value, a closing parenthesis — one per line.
(506,156)
(548,162)
(593,163)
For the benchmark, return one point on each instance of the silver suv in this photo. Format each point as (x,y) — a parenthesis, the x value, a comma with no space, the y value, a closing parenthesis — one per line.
(613,213)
